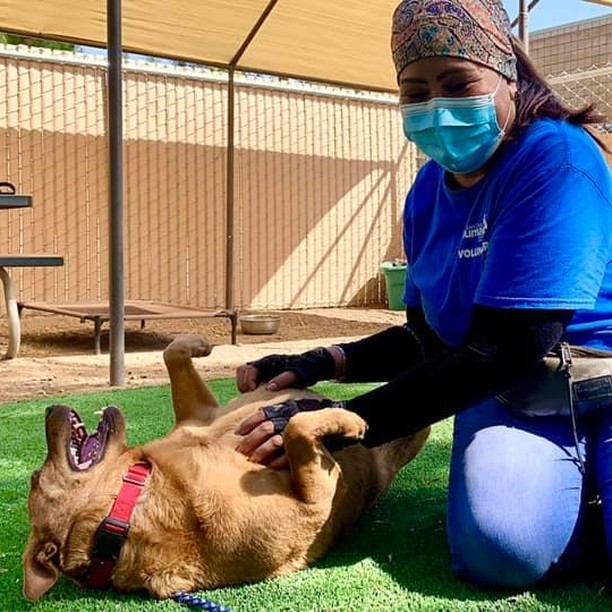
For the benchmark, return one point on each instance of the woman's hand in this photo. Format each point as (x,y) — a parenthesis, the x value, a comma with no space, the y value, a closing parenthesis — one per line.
(248,377)
(261,443)
(263,431)
(283,371)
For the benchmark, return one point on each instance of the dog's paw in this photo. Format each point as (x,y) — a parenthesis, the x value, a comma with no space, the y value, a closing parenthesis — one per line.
(187,346)
(326,422)
(199,346)
(351,425)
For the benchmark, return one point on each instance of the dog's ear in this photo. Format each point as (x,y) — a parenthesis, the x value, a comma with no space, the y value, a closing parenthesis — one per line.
(39,573)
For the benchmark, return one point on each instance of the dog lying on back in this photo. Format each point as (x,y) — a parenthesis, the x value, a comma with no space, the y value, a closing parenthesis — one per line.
(205,516)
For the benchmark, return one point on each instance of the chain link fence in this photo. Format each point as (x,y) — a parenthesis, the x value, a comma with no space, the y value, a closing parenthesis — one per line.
(320,177)
(580,88)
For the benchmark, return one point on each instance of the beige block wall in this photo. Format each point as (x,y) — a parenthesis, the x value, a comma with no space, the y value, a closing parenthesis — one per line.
(579,45)
(577,61)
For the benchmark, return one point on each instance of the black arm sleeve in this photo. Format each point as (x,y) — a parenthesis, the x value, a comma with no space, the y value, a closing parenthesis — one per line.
(502,345)
(385,355)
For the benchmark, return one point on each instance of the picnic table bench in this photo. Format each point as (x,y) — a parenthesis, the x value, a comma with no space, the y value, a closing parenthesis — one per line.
(9,199)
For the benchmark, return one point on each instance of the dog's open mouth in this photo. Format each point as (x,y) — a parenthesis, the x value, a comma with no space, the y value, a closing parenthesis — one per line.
(85,450)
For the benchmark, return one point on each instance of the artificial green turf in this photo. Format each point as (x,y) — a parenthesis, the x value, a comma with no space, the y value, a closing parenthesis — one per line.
(395,559)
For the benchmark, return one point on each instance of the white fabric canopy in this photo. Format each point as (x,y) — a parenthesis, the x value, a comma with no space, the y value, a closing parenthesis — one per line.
(338,41)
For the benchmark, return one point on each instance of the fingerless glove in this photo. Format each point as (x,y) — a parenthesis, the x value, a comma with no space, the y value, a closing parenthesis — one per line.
(280,414)
(310,367)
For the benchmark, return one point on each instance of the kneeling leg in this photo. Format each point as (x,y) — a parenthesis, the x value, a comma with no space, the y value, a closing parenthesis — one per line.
(516,497)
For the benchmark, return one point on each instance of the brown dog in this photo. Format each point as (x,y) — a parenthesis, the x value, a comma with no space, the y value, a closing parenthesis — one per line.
(206,516)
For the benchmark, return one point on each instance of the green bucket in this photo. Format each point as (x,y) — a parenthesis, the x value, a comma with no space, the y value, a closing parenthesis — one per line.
(395,279)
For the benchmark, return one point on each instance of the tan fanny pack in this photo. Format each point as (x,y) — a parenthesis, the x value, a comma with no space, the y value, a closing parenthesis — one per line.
(569,380)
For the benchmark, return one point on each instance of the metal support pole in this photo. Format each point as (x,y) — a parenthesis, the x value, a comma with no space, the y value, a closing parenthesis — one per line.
(523,23)
(115,149)
(230,159)
(229,196)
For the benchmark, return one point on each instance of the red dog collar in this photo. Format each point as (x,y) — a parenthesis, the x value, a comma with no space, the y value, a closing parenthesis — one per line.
(113,530)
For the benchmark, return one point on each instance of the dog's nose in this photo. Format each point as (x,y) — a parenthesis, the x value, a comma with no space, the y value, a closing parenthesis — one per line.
(50,409)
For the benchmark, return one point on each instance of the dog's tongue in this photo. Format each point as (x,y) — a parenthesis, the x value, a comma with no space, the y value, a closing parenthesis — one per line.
(90,448)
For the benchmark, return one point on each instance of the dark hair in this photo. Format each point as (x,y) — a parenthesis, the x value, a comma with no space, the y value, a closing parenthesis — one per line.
(536,99)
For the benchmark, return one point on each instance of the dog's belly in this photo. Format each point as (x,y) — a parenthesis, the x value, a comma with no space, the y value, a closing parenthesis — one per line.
(233,523)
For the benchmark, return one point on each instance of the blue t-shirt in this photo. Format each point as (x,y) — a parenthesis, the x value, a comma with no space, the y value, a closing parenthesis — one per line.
(535,232)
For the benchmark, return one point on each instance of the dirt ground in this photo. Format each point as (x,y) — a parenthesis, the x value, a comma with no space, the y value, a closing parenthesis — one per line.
(57,352)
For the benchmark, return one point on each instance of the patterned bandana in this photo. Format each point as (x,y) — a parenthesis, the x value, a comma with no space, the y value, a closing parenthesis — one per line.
(477,30)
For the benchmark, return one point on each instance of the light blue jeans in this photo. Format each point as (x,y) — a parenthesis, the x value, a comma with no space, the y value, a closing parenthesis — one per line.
(518,503)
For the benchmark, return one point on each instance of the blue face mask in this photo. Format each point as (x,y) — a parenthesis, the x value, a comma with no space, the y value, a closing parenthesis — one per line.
(461,134)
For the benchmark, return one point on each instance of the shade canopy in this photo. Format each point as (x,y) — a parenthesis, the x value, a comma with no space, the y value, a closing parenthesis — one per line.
(345,42)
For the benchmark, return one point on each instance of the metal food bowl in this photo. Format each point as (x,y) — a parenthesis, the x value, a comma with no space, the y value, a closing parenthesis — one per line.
(259,324)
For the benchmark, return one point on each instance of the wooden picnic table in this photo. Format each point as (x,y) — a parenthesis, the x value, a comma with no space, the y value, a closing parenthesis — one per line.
(10,297)
(10,199)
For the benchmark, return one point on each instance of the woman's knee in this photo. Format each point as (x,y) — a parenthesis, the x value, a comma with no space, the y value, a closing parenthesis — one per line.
(514,498)
(497,556)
